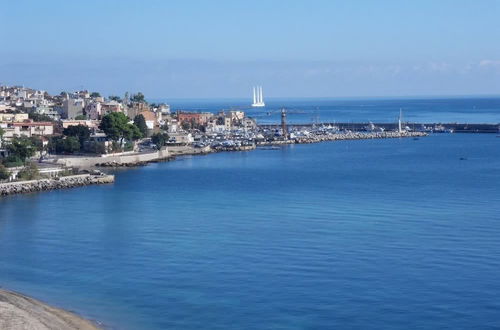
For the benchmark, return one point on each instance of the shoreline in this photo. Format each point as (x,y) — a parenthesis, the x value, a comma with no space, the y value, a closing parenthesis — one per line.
(168,154)
(24,187)
(22,312)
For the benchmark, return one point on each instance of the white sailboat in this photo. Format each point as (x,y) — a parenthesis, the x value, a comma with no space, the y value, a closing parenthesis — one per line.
(258,97)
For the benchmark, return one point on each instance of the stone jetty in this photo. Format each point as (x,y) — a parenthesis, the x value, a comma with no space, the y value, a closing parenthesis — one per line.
(344,136)
(22,187)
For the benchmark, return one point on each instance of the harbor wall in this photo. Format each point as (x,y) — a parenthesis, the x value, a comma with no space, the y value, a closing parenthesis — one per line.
(456,127)
(126,159)
(344,136)
(22,187)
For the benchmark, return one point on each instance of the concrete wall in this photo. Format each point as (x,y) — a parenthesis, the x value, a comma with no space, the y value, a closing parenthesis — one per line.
(122,159)
(187,150)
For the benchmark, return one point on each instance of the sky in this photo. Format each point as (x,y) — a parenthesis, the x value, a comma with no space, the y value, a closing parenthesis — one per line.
(221,48)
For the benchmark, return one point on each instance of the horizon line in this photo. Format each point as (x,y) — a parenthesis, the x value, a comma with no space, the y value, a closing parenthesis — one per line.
(420,96)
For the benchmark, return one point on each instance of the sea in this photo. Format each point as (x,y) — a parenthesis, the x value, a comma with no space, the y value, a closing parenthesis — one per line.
(365,234)
(472,110)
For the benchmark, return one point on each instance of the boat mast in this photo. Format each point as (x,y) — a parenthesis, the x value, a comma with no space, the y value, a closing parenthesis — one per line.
(399,119)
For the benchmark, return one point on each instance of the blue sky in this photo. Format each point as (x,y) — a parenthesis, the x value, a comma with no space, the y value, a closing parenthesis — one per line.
(220,48)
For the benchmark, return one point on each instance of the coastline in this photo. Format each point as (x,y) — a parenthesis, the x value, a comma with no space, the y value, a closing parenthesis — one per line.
(22,312)
(22,187)
(167,154)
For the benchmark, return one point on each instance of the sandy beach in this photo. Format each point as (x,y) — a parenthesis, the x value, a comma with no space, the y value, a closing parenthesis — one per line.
(21,312)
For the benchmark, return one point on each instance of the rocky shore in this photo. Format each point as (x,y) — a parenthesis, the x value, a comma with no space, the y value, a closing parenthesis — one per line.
(12,188)
(19,312)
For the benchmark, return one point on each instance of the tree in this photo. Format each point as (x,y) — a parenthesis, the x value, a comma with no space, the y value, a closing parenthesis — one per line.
(115,98)
(65,145)
(81,117)
(71,144)
(116,126)
(95,94)
(160,139)
(36,142)
(39,117)
(21,147)
(113,125)
(2,132)
(139,97)
(81,132)
(140,122)
(133,133)
(4,173)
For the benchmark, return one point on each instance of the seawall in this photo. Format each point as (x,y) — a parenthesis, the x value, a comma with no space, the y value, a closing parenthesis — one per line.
(22,187)
(344,136)
(124,159)
(360,127)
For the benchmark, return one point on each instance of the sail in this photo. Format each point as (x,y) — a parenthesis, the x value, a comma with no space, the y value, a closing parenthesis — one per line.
(258,98)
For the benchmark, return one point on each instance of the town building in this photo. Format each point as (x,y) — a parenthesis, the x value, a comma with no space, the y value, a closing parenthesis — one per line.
(92,124)
(151,119)
(28,129)
(110,106)
(198,118)
(72,108)
(93,110)
(13,117)
(136,108)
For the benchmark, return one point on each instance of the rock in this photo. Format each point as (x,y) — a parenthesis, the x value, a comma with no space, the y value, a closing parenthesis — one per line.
(20,312)
(13,188)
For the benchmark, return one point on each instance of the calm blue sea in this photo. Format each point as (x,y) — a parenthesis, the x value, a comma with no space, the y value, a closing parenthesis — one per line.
(437,110)
(374,234)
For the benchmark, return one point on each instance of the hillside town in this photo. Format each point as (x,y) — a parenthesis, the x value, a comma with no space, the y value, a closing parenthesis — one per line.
(36,128)
(43,135)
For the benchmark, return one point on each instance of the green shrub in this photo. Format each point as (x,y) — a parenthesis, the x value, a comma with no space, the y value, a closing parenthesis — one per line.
(30,172)
(4,173)
(128,146)
(95,147)
(13,161)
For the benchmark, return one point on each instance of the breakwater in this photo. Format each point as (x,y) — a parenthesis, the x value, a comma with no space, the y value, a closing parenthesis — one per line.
(344,136)
(361,126)
(235,148)
(22,187)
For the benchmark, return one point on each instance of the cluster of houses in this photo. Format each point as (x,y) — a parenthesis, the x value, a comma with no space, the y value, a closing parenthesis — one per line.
(29,112)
